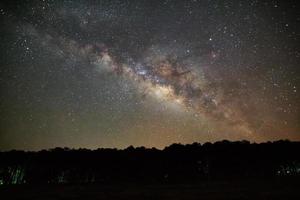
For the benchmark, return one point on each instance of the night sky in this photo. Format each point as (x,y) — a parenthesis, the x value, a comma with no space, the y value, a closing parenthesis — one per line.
(92,74)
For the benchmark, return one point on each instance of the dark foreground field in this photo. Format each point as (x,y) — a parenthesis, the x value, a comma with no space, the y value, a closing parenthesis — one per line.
(275,189)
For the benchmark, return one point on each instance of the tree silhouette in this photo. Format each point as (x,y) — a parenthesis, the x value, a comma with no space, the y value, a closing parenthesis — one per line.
(176,163)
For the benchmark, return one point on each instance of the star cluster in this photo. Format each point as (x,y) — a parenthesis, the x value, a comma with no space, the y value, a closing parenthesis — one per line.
(151,73)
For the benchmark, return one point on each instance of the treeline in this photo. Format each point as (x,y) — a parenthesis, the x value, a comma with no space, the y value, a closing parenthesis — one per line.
(175,164)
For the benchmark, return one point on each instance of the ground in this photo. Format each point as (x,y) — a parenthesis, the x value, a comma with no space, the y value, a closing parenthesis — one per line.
(263,189)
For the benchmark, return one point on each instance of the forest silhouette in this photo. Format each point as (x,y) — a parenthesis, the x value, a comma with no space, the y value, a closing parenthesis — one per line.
(177,163)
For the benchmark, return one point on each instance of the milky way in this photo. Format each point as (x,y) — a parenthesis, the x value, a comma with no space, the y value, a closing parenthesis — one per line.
(171,80)
(120,73)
